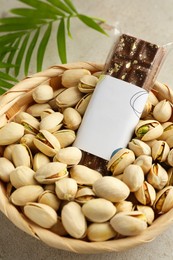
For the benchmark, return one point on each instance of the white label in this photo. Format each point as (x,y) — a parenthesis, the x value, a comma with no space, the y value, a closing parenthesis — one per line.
(111,117)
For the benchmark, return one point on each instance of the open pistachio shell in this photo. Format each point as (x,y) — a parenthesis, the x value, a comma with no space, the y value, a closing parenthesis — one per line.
(87,83)
(73,220)
(3,120)
(164,200)
(22,176)
(167,130)
(66,188)
(27,140)
(69,97)
(133,177)
(82,104)
(42,93)
(69,155)
(146,194)
(124,206)
(148,130)
(36,109)
(120,160)
(148,212)
(52,122)
(71,78)
(145,162)
(72,118)
(49,198)
(157,176)
(147,109)
(98,232)
(84,194)
(19,117)
(160,151)
(31,125)
(65,137)
(170,177)
(139,147)
(41,214)
(8,152)
(153,99)
(6,167)
(11,133)
(21,155)
(162,111)
(39,160)
(170,157)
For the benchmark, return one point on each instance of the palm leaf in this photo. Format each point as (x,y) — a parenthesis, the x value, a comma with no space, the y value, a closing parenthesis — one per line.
(30,13)
(61,42)
(4,65)
(42,47)
(2,90)
(17,27)
(21,54)
(30,51)
(70,4)
(9,38)
(19,20)
(11,55)
(61,6)
(6,76)
(5,84)
(68,27)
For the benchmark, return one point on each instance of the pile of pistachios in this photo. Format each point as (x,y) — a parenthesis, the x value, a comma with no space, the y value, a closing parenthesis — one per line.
(41,169)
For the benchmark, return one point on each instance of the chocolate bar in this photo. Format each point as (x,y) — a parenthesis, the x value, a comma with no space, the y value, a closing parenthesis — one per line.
(135,61)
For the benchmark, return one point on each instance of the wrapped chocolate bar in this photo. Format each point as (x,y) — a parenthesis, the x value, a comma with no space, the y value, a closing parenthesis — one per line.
(118,100)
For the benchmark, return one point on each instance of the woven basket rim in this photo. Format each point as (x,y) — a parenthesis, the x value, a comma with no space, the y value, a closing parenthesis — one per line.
(14,101)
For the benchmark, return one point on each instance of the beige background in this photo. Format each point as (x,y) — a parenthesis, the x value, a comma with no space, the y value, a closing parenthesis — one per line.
(149,19)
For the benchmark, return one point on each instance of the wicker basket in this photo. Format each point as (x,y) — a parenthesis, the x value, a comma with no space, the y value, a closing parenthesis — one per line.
(17,99)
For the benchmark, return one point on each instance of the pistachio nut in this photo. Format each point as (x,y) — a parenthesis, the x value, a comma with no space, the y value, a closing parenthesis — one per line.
(146,194)
(69,155)
(111,188)
(8,152)
(36,109)
(27,140)
(41,214)
(52,122)
(71,78)
(133,177)
(147,109)
(47,143)
(31,125)
(11,133)
(87,83)
(145,162)
(120,160)
(153,99)
(160,151)
(73,220)
(6,167)
(66,188)
(98,232)
(148,212)
(164,200)
(157,176)
(65,137)
(39,160)
(170,158)
(46,112)
(72,118)
(42,93)
(124,205)
(24,194)
(49,198)
(21,155)
(84,194)
(148,130)
(162,111)
(129,223)
(82,104)
(51,172)
(69,97)
(169,141)
(167,130)
(22,176)
(170,177)
(3,120)
(52,102)
(19,117)
(98,210)
(139,147)
(84,175)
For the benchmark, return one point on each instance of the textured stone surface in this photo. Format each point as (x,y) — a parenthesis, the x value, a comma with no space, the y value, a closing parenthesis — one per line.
(151,20)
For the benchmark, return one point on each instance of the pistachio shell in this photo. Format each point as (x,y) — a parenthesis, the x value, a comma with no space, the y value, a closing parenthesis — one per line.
(51,172)
(162,111)
(98,232)
(160,151)
(8,152)
(139,147)
(157,176)
(170,177)
(58,228)
(71,78)
(169,141)
(47,112)
(42,93)
(3,120)
(31,125)
(124,206)
(68,97)
(11,133)
(69,155)
(146,194)
(148,212)
(42,215)
(153,99)
(19,117)
(22,176)
(148,130)
(65,137)
(84,194)
(133,177)
(27,140)
(167,130)
(52,102)
(120,160)
(26,194)
(82,104)
(170,157)
(147,109)
(145,162)
(6,167)
(87,83)
(111,188)
(36,109)
(129,223)
(39,160)
(66,189)
(73,220)
(164,200)
(52,122)
(21,156)
(84,175)
(98,210)
(49,198)
(72,118)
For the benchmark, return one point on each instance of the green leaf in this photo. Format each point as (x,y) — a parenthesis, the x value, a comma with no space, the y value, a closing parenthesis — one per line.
(61,42)
(60,5)
(6,65)
(91,23)
(6,49)
(30,51)
(70,4)
(17,27)
(5,84)
(42,6)
(11,55)
(30,13)
(7,77)
(68,27)
(19,20)
(42,47)
(9,38)
(2,91)
(21,54)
